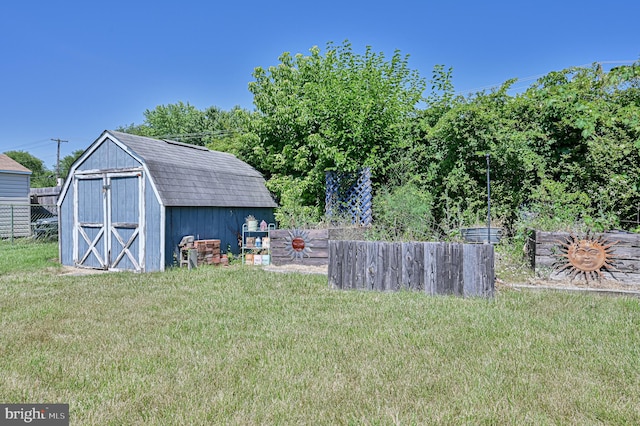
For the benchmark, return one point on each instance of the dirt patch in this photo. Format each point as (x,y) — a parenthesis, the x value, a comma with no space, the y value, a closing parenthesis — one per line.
(583,284)
(71,271)
(303,269)
(592,286)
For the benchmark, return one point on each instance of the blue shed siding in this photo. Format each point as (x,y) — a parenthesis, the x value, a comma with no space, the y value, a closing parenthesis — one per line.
(108,156)
(207,223)
(153,258)
(91,194)
(66,229)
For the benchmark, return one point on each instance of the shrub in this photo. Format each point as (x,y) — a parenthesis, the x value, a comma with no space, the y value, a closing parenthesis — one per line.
(404,213)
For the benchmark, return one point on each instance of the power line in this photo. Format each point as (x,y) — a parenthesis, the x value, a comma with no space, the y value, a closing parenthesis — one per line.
(29,145)
(200,134)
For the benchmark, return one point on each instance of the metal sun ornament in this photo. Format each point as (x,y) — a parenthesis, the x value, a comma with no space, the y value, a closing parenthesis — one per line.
(587,256)
(297,244)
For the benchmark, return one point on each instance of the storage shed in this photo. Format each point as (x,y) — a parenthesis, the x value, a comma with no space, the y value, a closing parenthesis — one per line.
(15,211)
(129,200)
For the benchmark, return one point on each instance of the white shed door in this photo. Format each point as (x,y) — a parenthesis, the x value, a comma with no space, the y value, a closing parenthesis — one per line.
(109,221)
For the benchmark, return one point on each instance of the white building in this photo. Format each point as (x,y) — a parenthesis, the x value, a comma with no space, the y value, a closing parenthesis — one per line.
(15,210)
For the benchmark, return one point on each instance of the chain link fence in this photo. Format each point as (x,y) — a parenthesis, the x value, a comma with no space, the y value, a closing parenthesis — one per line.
(38,222)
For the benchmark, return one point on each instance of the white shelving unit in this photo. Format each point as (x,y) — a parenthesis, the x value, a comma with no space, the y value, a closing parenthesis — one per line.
(254,244)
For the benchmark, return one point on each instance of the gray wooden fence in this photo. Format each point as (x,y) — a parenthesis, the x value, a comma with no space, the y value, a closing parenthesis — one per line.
(435,268)
(544,249)
(317,243)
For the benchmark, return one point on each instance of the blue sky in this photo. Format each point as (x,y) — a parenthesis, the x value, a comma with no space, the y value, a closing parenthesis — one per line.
(71,69)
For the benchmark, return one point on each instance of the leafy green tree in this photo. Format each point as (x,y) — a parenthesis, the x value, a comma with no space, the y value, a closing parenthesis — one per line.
(451,158)
(214,127)
(182,122)
(40,175)
(588,135)
(571,138)
(333,111)
(227,130)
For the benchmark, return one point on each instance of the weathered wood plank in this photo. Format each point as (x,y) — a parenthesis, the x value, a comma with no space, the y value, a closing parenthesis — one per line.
(347,266)
(352,264)
(624,238)
(282,261)
(360,267)
(383,258)
(457,266)
(471,275)
(625,252)
(372,265)
(396,266)
(407,264)
(550,237)
(412,263)
(489,263)
(392,254)
(379,277)
(443,279)
(430,268)
(333,268)
(478,270)
(418,267)
(315,252)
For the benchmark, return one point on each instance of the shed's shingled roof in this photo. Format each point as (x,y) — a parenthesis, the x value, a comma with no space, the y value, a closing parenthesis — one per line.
(189,175)
(8,164)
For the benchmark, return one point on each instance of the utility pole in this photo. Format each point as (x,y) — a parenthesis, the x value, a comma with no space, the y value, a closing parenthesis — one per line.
(58,161)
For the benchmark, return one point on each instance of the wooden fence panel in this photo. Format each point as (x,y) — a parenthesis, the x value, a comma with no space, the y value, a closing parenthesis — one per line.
(435,268)
(544,249)
(316,251)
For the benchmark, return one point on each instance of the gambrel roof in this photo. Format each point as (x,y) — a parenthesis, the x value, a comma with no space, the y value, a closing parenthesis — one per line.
(189,175)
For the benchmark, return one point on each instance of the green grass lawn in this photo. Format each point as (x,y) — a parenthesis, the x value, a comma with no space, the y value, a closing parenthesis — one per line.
(240,345)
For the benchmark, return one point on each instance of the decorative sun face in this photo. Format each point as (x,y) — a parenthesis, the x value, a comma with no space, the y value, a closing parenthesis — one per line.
(587,256)
(297,244)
